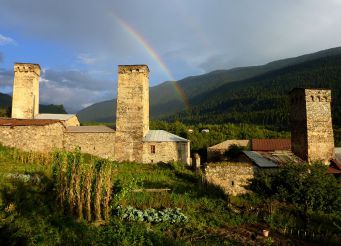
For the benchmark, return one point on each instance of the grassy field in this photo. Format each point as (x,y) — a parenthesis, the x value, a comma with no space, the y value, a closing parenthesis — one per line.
(31,215)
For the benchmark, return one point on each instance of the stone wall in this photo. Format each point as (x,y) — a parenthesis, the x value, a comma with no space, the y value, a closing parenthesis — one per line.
(166,152)
(216,153)
(232,177)
(132,114)
(311,124)
(98,144)
(33,138)
(72,121)
(319,125)
(25,91)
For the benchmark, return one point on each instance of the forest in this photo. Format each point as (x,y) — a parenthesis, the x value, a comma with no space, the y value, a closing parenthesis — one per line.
(263,99)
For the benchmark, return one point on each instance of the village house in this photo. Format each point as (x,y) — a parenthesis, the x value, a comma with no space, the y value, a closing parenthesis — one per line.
(132,140)
(312,140)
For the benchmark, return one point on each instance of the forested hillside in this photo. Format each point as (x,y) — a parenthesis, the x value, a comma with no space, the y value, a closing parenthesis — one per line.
(165,99)
(5,100)
(263,99)
(6,103)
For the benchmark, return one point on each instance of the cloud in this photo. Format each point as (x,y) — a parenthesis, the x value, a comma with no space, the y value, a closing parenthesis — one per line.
(53,93)
(87,59)
(187,36)
(6,40)
(77,79)
(74,89)
(6,77)
(2,57)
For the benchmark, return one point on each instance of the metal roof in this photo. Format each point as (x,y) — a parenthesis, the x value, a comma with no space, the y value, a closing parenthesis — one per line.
(338,154)
(281,157)
(259,160)
(54,116)
(270,144)
(26,122)
(162,136)
(89,129)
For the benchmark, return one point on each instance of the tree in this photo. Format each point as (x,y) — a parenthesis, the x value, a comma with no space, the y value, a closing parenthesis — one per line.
(309,187)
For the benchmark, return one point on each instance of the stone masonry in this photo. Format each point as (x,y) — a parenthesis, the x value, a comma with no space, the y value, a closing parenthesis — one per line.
(311,124)
(165,152)
(37,138)
(132,114)
(100,144)
(31,131)
(25,103)
(231,177)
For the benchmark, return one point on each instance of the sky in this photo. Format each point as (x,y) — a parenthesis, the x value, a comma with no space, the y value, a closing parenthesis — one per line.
(80,43)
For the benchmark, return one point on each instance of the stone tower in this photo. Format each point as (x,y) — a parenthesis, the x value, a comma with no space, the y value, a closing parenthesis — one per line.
(132,114)
(25,104)
(311,124)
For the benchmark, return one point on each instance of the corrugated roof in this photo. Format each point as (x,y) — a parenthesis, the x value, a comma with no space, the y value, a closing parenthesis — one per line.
(89,129)
(281,157)
(162,136)
(270,144)
(26,122)
(54,116)
(259,160)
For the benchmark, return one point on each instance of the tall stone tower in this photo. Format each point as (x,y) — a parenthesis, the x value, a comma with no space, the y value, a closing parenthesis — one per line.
(312,135)
(25,104)
(132,114)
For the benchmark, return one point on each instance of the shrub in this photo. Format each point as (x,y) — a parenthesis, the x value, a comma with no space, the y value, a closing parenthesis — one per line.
(307,186)
(233,151)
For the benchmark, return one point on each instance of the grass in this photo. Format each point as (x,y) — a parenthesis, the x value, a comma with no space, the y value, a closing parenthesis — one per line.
(30,215)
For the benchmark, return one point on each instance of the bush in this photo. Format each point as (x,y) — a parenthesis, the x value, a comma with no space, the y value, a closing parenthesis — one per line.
(233,151)
(308,187)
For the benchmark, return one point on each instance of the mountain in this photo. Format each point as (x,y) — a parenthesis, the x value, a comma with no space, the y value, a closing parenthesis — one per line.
(6,103)
(263,99)
(52,109)
(5,100)
(99,112)
(167,98)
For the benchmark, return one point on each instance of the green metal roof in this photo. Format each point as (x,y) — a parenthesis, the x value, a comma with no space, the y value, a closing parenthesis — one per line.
(162,136)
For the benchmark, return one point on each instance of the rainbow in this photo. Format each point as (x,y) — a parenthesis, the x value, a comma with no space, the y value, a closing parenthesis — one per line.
(156,57)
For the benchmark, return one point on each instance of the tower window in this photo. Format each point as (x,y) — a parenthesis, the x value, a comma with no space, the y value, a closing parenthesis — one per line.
(152,149)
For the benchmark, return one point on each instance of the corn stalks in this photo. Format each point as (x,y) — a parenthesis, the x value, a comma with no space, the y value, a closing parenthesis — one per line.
(84,189)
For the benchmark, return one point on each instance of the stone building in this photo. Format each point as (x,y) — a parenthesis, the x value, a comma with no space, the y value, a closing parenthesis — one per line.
(217,152)
(311,124)
(25,104)
(132,113)
(25,101)
(132,140)
(312,140)
(68,119)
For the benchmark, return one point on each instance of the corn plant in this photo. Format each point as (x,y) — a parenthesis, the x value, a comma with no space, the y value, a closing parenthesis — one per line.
(84,187)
